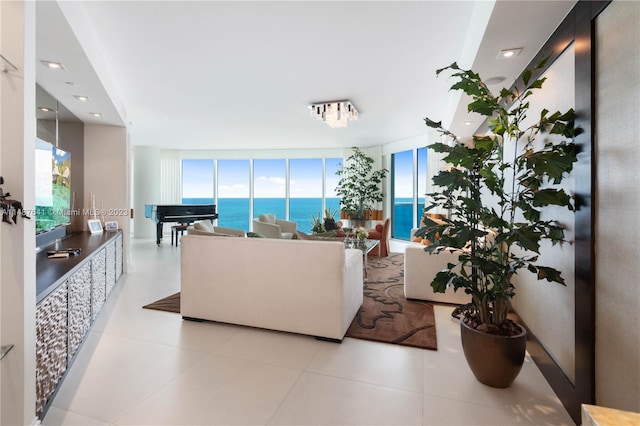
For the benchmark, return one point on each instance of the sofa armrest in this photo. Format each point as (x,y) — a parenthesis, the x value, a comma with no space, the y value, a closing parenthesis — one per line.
(352,285)
(192,231)
(421,267)
(229,231)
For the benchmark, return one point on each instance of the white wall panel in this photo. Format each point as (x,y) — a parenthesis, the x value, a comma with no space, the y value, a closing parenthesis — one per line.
(548,308)
(618,207)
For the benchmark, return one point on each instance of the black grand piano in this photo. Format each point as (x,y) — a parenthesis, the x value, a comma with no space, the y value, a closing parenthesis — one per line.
(178,213)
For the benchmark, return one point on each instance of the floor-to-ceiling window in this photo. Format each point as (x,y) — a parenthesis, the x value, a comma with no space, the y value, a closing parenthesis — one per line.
(408,187)
(305,182)
(421,173)
(270,187)
(197,182)
(233,193)
(293,189)
(331,179)
(402,171)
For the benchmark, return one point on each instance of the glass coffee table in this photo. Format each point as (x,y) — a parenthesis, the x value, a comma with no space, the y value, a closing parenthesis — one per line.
(366,246)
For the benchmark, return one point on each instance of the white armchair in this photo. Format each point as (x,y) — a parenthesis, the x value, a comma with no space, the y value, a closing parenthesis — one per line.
(268,226)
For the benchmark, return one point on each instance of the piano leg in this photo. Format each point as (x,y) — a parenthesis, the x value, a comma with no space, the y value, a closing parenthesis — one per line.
(158,233)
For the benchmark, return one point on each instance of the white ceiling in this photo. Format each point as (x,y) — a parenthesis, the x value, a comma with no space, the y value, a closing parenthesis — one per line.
(240,74)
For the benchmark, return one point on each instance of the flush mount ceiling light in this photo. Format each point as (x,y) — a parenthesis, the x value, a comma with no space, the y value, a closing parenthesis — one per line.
(96,114)
(81,98)
(53,65)
(509,53)
(45,109)
(334,114)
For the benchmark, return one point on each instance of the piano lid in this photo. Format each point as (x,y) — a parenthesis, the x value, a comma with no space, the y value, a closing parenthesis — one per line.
(180,211)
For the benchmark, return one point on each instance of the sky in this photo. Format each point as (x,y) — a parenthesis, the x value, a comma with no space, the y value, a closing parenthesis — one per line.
(269,178)
(403,173)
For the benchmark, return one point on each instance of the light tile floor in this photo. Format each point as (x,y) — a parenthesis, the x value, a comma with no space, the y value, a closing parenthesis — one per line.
(145,367)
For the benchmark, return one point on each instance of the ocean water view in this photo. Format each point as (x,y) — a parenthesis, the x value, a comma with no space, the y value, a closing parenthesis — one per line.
(402,217)
(234,212)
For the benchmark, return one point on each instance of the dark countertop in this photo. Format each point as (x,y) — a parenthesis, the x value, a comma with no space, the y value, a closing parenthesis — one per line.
(50,273)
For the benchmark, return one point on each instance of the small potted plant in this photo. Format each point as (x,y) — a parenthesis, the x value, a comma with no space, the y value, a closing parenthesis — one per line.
(317,227)
(497,222)
(329,219)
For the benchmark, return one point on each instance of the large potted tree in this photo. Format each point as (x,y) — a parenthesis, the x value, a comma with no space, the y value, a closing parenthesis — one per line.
(359,187)
(496,188)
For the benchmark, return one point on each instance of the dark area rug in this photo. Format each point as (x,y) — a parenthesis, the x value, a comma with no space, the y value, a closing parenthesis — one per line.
(168,304)
(385,316)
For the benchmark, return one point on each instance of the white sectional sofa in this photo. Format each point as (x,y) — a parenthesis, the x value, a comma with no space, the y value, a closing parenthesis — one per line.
(420,268)
(306,287)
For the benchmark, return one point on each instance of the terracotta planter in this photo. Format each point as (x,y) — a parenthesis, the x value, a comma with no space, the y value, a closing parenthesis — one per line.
(494,360)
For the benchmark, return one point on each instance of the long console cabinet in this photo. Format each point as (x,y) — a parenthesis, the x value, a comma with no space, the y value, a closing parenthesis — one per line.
(70,292)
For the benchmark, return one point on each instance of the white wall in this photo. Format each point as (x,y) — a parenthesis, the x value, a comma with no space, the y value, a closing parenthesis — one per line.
(548,308)
(17,242)
(617,233)
(106,175)
(146,188)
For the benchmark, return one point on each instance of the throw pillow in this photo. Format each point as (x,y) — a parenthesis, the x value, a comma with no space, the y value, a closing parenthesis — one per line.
(267,218)
(204,225)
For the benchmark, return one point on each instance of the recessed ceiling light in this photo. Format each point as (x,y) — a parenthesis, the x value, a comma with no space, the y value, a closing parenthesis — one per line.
(495,80)
(509,53)
(45,109)
(53,65)
(96,114)
(468,123)
(81,98)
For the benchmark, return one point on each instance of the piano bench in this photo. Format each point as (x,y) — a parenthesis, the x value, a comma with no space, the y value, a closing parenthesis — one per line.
(175,229)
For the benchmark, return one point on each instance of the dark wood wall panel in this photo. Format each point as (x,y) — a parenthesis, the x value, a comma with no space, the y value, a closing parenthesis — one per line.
(578,28)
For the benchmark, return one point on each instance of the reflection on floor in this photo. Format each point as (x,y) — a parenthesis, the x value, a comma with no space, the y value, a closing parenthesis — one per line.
(145,367)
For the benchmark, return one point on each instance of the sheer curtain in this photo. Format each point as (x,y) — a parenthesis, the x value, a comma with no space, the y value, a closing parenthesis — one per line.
(170,177)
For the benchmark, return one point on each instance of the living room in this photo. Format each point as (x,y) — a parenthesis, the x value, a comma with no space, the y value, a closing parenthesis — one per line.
(136,172)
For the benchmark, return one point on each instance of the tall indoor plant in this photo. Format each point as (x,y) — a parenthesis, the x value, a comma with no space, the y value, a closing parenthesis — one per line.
(359,187)
(496,197)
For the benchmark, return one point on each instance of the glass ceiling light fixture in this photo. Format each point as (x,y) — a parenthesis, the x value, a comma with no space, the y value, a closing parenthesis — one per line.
(334,114)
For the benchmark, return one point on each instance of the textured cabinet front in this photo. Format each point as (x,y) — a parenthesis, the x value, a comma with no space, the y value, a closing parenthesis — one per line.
(65,315)
(51,344)
(111,266)
(98,282)
(79,306)
(118,256)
